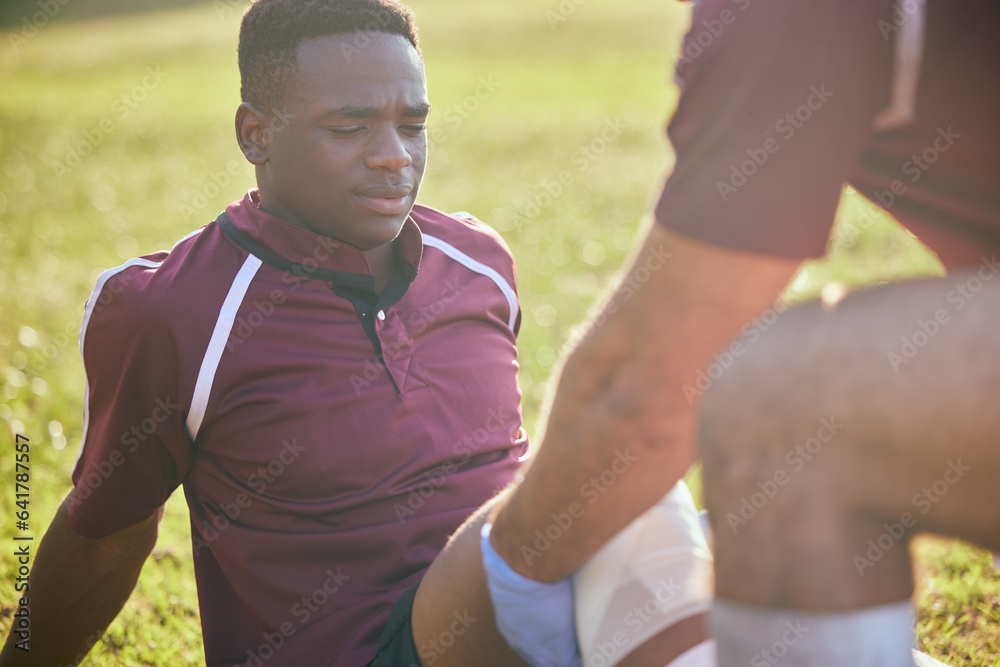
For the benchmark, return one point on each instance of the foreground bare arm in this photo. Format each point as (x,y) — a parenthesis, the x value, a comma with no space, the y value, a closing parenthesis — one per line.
(77,586)
(620,430)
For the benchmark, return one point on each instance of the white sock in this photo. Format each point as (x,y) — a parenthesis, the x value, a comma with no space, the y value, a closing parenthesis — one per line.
(761,636)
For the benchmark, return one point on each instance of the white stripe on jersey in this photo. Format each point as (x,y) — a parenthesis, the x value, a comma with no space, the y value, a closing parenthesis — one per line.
(478,267)
(223,327)
(88,311)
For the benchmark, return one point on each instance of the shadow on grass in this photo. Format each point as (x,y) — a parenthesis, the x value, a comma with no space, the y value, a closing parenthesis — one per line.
(28,14)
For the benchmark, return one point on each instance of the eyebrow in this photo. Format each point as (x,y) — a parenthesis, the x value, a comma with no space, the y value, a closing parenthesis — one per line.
(419,110)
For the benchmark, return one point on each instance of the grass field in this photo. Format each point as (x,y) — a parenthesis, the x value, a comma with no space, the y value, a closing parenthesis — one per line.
(116,139)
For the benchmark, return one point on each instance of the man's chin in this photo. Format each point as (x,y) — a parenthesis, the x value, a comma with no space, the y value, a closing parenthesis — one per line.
(381,232)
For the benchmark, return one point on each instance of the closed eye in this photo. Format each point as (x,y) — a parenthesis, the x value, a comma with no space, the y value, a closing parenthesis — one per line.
(414,129)
(345,130)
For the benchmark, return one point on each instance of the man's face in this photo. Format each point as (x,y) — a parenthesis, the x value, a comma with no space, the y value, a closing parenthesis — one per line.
(348,161)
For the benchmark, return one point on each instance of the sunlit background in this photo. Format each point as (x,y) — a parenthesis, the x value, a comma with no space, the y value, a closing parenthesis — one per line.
(116,139)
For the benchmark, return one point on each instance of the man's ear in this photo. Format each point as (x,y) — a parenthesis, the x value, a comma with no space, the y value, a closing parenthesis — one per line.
(253,133)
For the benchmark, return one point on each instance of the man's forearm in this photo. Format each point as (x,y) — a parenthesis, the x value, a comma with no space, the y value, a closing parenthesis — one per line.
(77,586)
(620,430)
(614,443)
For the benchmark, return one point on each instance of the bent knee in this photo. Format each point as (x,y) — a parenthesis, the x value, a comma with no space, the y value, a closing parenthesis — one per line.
(765,439)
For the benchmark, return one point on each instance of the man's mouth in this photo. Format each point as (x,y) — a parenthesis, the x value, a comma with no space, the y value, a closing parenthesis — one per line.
(389,200)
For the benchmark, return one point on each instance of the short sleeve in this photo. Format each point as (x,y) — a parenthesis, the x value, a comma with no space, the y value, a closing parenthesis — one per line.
(490,254)
(135,449)
(777,100)
(505,263)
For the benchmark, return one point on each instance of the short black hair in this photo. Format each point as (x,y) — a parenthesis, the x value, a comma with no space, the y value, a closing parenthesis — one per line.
(272,30)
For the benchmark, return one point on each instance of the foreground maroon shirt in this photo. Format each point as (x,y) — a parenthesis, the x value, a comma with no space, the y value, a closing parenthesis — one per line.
(327,444)
(777,112)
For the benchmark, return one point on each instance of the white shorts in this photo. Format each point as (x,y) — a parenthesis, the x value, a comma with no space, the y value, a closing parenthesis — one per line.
(653,574)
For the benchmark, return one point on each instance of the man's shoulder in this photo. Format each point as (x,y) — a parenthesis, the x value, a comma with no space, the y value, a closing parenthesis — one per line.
(462,231)
(158,286)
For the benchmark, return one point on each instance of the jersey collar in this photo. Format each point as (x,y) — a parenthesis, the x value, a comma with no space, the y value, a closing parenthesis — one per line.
(295,250)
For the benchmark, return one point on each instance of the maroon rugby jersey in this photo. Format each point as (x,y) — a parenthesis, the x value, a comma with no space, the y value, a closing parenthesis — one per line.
(779,107)
(328,441)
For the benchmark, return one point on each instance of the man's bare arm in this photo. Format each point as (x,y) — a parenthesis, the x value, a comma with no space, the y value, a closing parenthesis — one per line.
(620,431)
(77,586)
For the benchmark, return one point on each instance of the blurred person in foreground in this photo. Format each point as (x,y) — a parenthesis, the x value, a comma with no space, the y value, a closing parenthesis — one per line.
(830,433)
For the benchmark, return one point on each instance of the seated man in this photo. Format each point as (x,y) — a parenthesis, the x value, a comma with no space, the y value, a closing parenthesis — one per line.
(328,370)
